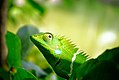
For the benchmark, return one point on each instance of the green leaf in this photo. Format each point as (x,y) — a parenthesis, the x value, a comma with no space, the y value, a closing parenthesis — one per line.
(105,67)
(83,69)
(96,70)
(22,74)
(24,34)
(103,70)
(111,55)
(14,50)
(4,75)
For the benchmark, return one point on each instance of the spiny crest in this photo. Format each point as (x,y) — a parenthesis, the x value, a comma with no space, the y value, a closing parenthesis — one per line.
(67,44)
(71,47)
(84,54)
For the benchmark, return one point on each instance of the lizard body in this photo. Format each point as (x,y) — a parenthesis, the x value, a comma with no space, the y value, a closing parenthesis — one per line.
(70,63)
(62,54)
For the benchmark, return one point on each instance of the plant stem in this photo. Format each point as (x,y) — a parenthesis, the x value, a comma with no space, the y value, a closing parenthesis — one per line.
(3,47)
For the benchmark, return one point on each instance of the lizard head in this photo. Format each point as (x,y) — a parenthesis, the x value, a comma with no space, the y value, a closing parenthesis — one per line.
(48,44)
(57,50)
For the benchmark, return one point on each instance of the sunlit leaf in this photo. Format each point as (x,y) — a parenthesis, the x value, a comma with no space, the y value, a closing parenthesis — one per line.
(14,50)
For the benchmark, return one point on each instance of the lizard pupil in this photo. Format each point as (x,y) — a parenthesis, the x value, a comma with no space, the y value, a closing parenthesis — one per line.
(50,36)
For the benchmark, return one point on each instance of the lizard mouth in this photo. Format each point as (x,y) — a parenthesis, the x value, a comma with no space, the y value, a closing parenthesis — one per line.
(58,62)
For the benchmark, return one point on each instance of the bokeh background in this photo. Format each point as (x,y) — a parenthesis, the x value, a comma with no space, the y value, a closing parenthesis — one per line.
(93,25)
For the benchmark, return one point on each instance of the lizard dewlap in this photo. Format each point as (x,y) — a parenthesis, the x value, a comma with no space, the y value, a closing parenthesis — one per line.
(60,53)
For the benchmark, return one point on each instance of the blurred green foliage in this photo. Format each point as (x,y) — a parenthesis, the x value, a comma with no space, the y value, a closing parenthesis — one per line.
(23,11)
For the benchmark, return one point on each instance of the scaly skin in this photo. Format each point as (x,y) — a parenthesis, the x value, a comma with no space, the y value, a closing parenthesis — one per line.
(61,54)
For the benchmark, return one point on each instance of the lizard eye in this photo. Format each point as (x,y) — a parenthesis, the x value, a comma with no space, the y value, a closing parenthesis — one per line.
(47,37)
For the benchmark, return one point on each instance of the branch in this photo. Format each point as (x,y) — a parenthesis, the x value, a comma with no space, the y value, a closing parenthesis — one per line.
(3,47)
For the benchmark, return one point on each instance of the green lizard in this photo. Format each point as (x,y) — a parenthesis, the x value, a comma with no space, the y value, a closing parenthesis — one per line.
(65,58)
